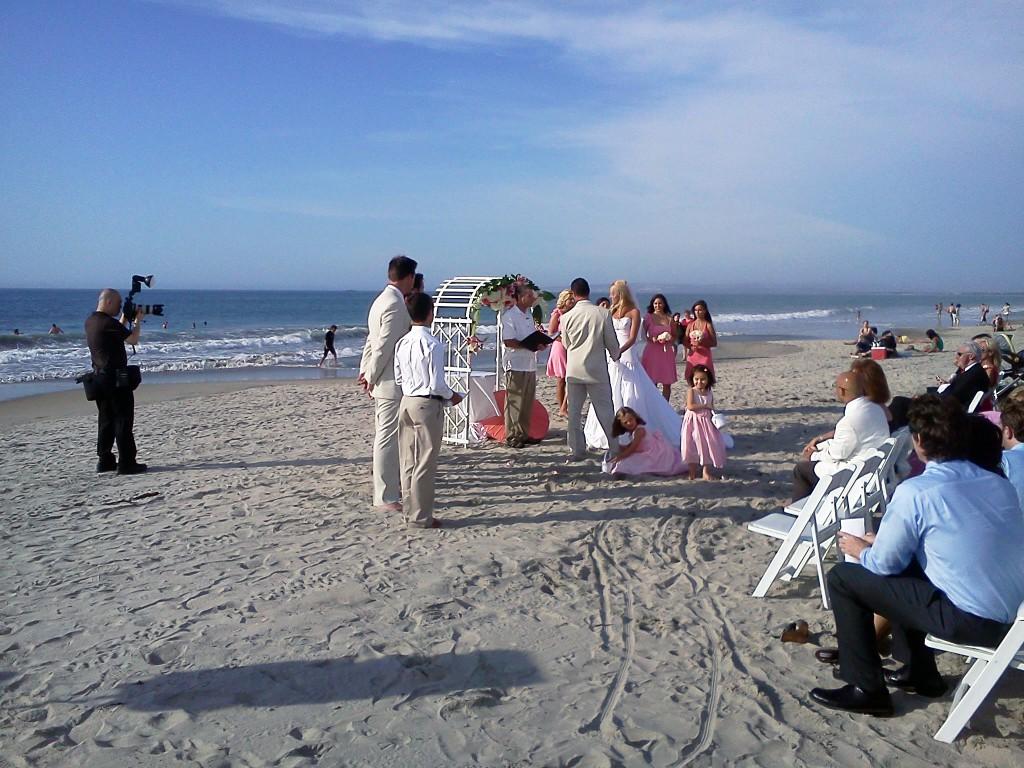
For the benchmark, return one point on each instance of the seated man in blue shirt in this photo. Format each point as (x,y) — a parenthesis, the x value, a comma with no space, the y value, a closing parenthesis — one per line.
(1012,418)
(946,560)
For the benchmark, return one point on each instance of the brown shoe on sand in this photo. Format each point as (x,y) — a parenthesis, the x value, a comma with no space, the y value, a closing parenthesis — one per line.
(797,632)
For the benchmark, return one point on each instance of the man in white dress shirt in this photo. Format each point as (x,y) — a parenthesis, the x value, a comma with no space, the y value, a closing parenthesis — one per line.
(387,323)
(419,371)
(860,432)
(520,367)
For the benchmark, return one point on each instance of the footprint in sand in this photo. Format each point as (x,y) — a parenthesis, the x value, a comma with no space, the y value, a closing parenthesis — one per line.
(163,654)
(468,701)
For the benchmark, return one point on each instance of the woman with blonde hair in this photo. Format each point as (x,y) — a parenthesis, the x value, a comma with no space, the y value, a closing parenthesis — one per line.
(556,356)
(631,386)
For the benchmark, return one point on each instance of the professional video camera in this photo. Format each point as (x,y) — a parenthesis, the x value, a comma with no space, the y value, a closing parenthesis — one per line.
(130,306)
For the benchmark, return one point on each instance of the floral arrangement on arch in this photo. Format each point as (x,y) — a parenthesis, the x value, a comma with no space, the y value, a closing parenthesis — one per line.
(498,294)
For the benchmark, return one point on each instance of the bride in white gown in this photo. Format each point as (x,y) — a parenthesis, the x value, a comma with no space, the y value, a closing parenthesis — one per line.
(630,383)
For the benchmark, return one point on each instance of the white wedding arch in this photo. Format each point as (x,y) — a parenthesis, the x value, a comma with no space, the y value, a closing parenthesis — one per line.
(454,325)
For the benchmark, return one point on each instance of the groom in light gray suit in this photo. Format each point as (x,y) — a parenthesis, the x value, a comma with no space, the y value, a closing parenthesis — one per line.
(589,339)
(388,322)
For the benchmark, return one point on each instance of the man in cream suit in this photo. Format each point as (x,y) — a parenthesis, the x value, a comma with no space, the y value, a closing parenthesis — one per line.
(589,339)
(388,322)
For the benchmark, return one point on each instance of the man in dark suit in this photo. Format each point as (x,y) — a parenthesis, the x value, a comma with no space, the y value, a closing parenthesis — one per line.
(970,378)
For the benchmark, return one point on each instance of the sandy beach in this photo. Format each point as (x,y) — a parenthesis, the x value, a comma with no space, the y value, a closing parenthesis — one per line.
(243,605)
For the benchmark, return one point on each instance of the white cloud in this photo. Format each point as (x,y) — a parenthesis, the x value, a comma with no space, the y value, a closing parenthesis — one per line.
(742,126)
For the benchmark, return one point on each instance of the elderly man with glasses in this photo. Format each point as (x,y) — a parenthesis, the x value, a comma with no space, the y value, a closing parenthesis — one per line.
(970,377)
(858,434)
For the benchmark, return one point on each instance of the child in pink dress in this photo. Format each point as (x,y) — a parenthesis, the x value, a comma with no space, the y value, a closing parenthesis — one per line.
(648,453)
(702,442)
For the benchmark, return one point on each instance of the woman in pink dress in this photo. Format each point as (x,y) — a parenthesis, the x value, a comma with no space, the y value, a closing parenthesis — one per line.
(699,339)
(556,355)
(648,453)
(659,357)
(702,442)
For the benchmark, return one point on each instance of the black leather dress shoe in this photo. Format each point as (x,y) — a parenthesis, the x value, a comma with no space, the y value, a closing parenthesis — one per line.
(108,464)
(900,678)
(827,655)
(131,469)
(850,698)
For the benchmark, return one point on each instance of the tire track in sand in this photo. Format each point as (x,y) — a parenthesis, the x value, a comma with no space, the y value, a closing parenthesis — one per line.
(603,722)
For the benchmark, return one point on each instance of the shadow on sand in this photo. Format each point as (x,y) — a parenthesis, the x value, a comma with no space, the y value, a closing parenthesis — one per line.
(481,677)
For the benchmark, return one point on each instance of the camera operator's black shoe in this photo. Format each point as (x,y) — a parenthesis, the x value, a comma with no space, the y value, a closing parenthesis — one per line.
(106,464)
(131,469)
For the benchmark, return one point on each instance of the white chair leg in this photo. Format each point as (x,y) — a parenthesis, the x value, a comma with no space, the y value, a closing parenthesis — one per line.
(771,573)
(801,556)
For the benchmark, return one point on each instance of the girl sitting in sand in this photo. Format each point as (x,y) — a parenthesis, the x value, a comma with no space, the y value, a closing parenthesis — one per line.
(648,453)
(702,442)
(932,342)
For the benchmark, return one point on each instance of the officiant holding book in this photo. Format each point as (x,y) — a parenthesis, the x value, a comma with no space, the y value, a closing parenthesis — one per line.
(520,366)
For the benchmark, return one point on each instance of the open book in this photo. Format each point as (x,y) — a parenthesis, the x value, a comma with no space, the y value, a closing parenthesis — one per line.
(538,339)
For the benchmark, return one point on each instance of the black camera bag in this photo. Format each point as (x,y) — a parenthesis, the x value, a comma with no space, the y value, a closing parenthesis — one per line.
(94,384)
(128,377)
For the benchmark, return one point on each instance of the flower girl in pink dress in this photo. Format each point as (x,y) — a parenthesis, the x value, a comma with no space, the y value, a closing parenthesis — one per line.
(702,442)
(648,453)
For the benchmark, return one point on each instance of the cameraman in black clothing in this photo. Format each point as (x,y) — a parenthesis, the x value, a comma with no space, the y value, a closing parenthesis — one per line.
(107,337)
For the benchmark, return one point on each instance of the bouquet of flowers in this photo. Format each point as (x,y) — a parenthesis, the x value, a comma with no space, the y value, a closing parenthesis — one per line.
(474,344)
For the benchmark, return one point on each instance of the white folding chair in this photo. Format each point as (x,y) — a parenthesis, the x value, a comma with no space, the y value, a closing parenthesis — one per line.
(862,498)
(984,673)
(821,507)
(976,401)
(898,467)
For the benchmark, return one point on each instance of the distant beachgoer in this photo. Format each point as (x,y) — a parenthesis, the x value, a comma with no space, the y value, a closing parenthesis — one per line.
(700,338)
(193,323)
(55,329)
(984,313)
(956,315)
(864,340)
(999,324)
(329,346)
(164,325)
(17,332)
(932,342)
(659,355)
(938,315)
(1006,309)
(604,303)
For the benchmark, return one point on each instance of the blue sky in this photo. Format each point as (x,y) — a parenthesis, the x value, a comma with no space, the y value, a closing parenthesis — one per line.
(301,143)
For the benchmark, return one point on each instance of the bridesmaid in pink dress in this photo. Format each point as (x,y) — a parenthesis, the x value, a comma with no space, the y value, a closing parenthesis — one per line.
(648,453)
(699,339)
(659,357)
(556,355)
(702,442)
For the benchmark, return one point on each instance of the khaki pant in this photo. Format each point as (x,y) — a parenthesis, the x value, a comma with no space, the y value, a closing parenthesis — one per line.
(520,388)
(387,484)
(419,439)
(600,396)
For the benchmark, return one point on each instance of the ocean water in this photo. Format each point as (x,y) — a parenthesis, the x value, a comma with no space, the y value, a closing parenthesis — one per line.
(279,334)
